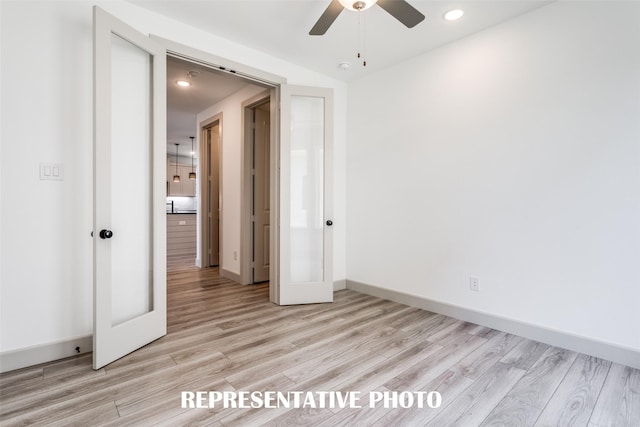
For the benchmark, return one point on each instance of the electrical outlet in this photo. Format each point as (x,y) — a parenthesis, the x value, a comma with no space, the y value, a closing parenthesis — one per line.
(474,284)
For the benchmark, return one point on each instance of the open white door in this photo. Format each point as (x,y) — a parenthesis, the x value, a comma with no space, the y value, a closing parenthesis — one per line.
(129,222)
(305,234)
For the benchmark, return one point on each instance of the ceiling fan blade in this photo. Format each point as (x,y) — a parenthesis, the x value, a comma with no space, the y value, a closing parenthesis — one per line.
(327,18)
(402,11)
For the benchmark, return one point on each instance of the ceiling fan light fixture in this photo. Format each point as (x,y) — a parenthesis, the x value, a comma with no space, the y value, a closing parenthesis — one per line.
(454,14)
(357,5)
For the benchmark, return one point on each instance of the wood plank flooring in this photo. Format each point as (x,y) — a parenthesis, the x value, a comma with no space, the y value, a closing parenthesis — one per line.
(225,337)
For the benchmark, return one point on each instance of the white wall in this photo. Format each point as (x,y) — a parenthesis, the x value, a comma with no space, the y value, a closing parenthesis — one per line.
(46,81)
(514,156)
(231,162)
(46,275)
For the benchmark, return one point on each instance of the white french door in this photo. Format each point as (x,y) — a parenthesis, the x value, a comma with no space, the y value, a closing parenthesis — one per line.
(129,225)
(305,233)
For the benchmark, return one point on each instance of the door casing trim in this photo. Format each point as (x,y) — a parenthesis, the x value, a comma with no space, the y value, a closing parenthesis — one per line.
(272,83)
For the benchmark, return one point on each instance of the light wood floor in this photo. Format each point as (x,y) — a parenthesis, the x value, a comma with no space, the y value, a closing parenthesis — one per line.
(224,336)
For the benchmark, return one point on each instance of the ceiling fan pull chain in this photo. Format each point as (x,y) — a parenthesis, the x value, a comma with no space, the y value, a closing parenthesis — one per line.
(362,38)
(364,41)
(359,35)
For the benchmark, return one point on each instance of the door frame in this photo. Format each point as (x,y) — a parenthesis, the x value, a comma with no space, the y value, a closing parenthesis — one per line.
(272,84)
(246,187)
(279,90)
(204,159)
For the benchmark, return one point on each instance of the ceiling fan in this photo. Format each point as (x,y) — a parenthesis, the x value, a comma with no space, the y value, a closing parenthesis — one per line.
(399,9)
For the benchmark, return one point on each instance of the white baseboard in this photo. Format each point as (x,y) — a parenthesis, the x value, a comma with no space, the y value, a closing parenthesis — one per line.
(34,355)
(604,350)
(230,275)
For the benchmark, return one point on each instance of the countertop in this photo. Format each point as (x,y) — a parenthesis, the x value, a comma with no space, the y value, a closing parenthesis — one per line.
(182,213)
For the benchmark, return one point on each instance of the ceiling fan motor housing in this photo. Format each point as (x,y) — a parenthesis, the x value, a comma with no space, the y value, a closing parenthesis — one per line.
(357,5)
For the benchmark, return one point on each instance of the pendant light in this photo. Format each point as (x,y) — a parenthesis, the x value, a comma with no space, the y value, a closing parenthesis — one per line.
(176,177)
(192,174)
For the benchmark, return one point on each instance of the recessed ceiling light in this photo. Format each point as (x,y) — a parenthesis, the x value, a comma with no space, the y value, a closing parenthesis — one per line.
(454,14)
(183,83)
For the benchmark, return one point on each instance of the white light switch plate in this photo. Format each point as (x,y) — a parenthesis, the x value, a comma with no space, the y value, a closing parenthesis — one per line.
(51,171)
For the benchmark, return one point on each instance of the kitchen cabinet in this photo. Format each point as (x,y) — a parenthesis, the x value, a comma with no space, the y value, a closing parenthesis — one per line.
(188,185)
(181,233)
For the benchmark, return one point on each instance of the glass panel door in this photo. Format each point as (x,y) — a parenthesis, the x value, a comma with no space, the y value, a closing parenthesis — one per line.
(307,189)
(305,200)
(129,235)
(131,247)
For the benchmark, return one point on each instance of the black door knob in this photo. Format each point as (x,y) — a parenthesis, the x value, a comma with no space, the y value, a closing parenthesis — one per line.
(329,222)
(106,234)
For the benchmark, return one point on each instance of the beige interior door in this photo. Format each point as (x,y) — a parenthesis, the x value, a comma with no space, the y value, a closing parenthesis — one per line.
(261,181)
(129,220)
(213,176)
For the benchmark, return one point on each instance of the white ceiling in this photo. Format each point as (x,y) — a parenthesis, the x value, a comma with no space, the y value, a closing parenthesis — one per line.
(184,103)
(281,28)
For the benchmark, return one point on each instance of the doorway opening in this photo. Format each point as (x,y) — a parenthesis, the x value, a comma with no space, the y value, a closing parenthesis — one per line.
(227,194)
